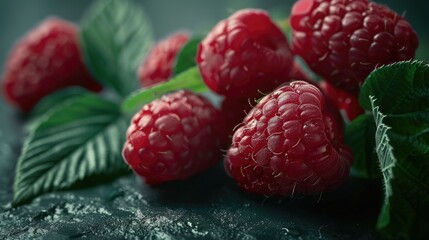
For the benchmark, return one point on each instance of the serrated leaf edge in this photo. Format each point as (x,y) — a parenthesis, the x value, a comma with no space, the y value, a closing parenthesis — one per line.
(18,197)
(387,159)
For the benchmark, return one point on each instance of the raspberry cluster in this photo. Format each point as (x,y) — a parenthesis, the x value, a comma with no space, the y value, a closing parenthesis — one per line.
(292,141)
(286,128)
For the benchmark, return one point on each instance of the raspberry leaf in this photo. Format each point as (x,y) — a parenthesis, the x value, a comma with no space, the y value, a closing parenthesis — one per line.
(186,57)
(397,95)
(189,79)
(70,145)
(115,36)
(406,204)
(52,103)
(400,88)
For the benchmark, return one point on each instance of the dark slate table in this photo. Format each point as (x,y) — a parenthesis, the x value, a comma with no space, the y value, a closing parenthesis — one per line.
(209,206)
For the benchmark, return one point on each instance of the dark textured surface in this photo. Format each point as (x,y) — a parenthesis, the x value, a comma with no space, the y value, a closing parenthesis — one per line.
(208,206)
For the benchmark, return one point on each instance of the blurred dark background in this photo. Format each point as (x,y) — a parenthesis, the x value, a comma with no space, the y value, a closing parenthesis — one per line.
(19,16)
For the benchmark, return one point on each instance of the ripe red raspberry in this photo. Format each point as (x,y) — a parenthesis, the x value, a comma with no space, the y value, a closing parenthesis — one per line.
(173,137)
(45,60)
(244,53)
(290,143)
(344,40)
(159,63)
(344,101)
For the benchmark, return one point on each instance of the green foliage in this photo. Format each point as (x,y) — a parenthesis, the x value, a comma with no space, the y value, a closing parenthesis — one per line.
(189,79)
(80,139)
(115,36)
(398,97)
(51,103)
(186,57)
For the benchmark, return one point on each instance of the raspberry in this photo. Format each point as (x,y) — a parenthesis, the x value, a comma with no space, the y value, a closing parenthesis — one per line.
(290,143)
(244,54)
(45,60)
(344,40)
(159,63)
(344,101)
(173,138)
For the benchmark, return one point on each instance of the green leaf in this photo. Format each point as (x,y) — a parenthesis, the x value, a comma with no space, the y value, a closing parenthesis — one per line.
(406,183)
(81,139)
(399,88)
(186,57)
(52,103)
(402,93)
(115,36)
(189,79)
(360,137)
(398,97)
